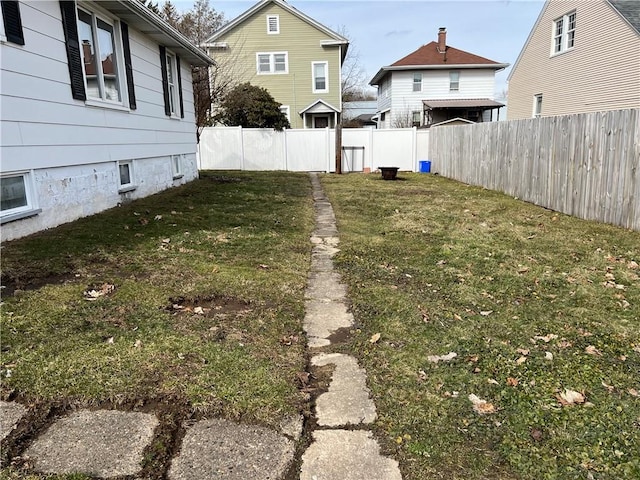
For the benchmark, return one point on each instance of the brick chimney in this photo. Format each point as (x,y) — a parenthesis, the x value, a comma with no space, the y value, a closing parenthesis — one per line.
(442,40)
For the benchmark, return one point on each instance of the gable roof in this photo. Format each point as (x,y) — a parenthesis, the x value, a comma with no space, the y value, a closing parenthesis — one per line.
(334,38)
(427,57)
(629,10)
(143,19)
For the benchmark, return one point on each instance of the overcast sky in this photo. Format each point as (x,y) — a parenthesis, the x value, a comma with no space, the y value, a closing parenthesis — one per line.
(384,31)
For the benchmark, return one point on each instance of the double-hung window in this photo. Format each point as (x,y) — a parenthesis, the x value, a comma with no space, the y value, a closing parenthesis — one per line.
(320,77)
(272,62)
(171,83)
(417,82)
(16,197)
(454,81)
(564,33)
(176,166)
(99,55)
(98,45)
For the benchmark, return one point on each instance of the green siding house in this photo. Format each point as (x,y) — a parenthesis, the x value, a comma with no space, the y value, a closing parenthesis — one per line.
(298,60)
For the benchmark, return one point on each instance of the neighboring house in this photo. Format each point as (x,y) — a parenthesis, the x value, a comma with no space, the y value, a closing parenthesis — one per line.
(359,113)
(298,60)
(434,84)
(580,57)
(81,135)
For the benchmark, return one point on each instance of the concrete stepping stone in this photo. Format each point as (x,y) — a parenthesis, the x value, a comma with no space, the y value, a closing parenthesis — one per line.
(220,448)
(322,319)
(346,455)
(10,415)
(104,443)
(325,286)
(347,401)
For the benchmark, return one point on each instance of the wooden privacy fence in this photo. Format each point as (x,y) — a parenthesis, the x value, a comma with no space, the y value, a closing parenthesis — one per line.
(585,165)
(364,149)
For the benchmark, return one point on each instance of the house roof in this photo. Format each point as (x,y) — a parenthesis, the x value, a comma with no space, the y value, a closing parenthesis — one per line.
(462,103)
(427,57)
(319,106)
(334,38)
(143,19)
(630,11)
(452,120)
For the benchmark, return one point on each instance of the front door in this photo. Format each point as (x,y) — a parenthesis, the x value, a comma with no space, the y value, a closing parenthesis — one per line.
(320,122)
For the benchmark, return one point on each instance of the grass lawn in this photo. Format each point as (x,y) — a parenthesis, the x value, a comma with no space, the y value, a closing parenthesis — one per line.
(509,334)
(192,299)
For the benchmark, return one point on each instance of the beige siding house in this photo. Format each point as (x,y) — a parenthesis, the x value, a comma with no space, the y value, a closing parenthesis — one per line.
(581,56)
(298,60)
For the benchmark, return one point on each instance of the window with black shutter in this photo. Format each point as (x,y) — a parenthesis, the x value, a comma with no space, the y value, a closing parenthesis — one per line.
(12,21)
(171,83)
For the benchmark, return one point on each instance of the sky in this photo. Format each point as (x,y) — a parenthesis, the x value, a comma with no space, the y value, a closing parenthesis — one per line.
(382,31)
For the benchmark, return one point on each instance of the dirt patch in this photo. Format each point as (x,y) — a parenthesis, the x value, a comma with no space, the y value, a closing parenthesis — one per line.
(12,285)
(342,335)
(221,179)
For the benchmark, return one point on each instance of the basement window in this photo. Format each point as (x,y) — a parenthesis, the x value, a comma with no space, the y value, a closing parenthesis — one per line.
(16,197)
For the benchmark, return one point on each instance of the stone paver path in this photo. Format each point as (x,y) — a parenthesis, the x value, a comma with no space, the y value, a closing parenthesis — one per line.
(104,443)
(108,443)
(337,453)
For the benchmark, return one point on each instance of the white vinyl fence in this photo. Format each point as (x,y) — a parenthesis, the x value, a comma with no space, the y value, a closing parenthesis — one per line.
(311,150)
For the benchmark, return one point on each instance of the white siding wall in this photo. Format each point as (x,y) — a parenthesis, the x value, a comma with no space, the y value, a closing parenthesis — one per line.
(43,128)
(474,83)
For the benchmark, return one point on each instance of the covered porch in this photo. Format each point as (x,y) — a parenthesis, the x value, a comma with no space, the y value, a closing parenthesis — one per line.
(473,109)
(320,114)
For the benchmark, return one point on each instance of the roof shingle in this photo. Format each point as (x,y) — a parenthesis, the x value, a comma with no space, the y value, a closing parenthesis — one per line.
(429,55)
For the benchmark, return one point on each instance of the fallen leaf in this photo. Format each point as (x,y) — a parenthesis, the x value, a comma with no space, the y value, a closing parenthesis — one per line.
(536,434)
(422,376)
(521,360)
(512,382)
(374,338)
(198,310)
(138,344)
(492,381)
(523,269)
(633,392)
(610,388)
(570,397)
(158,217)
(523,351)
(486,313)
(632,265)
(109,340)
(565,344)
(591,350)
(548,356)
(481,406)
(546,338)
(263,266)
(166,240)
(442,358)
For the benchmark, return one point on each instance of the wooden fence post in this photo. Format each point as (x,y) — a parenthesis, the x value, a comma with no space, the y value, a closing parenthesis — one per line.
(338,149)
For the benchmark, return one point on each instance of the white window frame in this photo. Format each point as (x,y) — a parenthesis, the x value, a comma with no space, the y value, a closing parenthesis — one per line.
(562,34)
(3,36)
(118,51)
(537,105)
(272,63)
(417,82)
(173,88)
(286,109)
(326,77)
(31,207)
(126,187)
(176,166)
(277,23)
(454,85)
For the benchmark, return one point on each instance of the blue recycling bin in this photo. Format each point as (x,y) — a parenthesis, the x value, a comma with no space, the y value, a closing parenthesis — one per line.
(425,166)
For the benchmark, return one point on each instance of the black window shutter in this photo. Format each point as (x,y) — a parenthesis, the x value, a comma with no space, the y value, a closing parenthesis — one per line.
(127,64)
(70,27)
(180,87)
(165,80)
(12,21)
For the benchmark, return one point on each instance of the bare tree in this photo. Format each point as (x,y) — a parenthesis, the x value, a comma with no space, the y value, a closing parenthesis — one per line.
(353,73)
(403,119)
